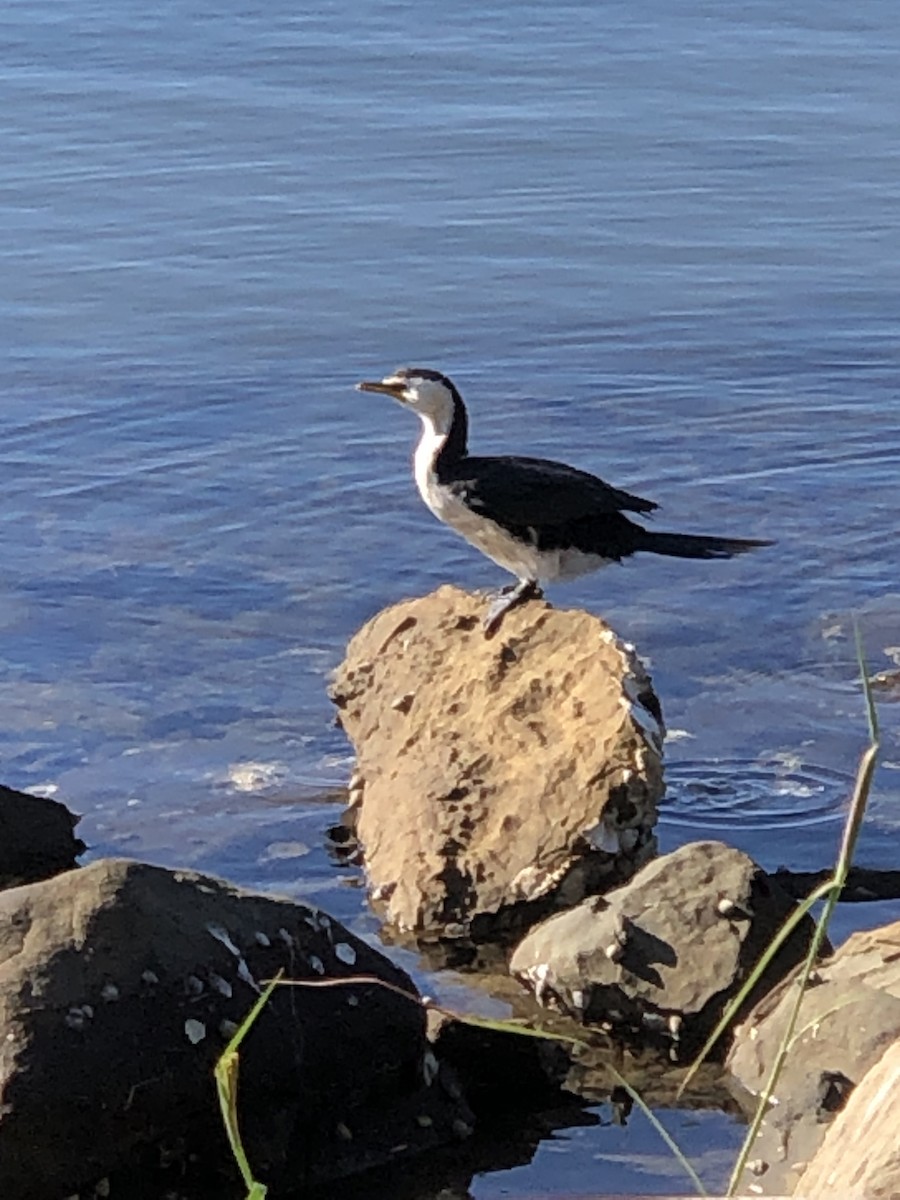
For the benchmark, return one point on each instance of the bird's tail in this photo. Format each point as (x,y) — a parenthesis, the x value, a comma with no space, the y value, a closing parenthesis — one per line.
(692,545)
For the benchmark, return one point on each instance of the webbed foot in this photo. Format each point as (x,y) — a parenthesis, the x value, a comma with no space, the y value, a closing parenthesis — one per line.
(508,598)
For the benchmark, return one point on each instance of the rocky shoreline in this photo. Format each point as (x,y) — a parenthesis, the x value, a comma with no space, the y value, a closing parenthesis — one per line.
(503,807)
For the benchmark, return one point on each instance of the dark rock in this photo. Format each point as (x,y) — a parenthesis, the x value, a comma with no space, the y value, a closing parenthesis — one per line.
(120,985)
(862,885)
(660,957)
(502,1070)
(500,778)
(37,838)
(849,1016)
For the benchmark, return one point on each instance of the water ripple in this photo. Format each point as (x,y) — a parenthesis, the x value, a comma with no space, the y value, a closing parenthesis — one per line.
(748,795)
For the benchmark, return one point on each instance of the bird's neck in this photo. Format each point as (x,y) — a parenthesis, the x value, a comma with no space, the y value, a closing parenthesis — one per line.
(443,443)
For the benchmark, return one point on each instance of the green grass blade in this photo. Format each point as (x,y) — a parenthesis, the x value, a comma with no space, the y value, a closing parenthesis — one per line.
(734,1005)
(787,1037)
(511,1025)
(500,1025)
(864,775)
(654,1120)
(226,1075)
(871,710)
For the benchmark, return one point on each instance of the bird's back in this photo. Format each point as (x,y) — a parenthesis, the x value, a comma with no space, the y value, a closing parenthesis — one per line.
(534,492)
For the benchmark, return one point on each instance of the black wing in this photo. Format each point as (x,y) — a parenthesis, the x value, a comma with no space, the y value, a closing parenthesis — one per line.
(536,491)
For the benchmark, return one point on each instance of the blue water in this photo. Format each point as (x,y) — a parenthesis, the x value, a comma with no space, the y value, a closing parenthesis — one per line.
(658,241)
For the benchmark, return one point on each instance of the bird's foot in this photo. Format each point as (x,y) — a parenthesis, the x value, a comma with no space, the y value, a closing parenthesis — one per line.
(509,597)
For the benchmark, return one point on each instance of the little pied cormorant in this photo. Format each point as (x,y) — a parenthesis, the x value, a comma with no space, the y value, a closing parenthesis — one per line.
(541,520)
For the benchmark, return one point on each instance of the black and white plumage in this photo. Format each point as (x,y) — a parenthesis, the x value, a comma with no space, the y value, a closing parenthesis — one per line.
(540,520)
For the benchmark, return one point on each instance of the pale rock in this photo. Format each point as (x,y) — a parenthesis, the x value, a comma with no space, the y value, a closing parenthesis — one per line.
(503,785)
(860,1154)
(849,1016)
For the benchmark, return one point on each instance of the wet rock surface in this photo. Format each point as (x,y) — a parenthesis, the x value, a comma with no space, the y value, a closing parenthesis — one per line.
(860,1154)
(661,956)
(497,778)
(37,838)
(120,985)
(500,1070)
(849,1016)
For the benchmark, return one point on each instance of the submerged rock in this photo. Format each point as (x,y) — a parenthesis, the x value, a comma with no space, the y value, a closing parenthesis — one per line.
(849,1016)
(496,778)
(120,985)
(37,838)
(660,957)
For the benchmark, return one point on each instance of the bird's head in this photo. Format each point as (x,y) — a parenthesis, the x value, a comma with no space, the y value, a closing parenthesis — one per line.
(428,393)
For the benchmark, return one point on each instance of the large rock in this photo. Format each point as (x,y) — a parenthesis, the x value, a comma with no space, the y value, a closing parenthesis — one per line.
(662,955)
(120,985)
(37,838)
(849,1016)
(860,1154)
(497,778)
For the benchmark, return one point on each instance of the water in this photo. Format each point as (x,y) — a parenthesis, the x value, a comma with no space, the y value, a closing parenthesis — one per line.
(659,243)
